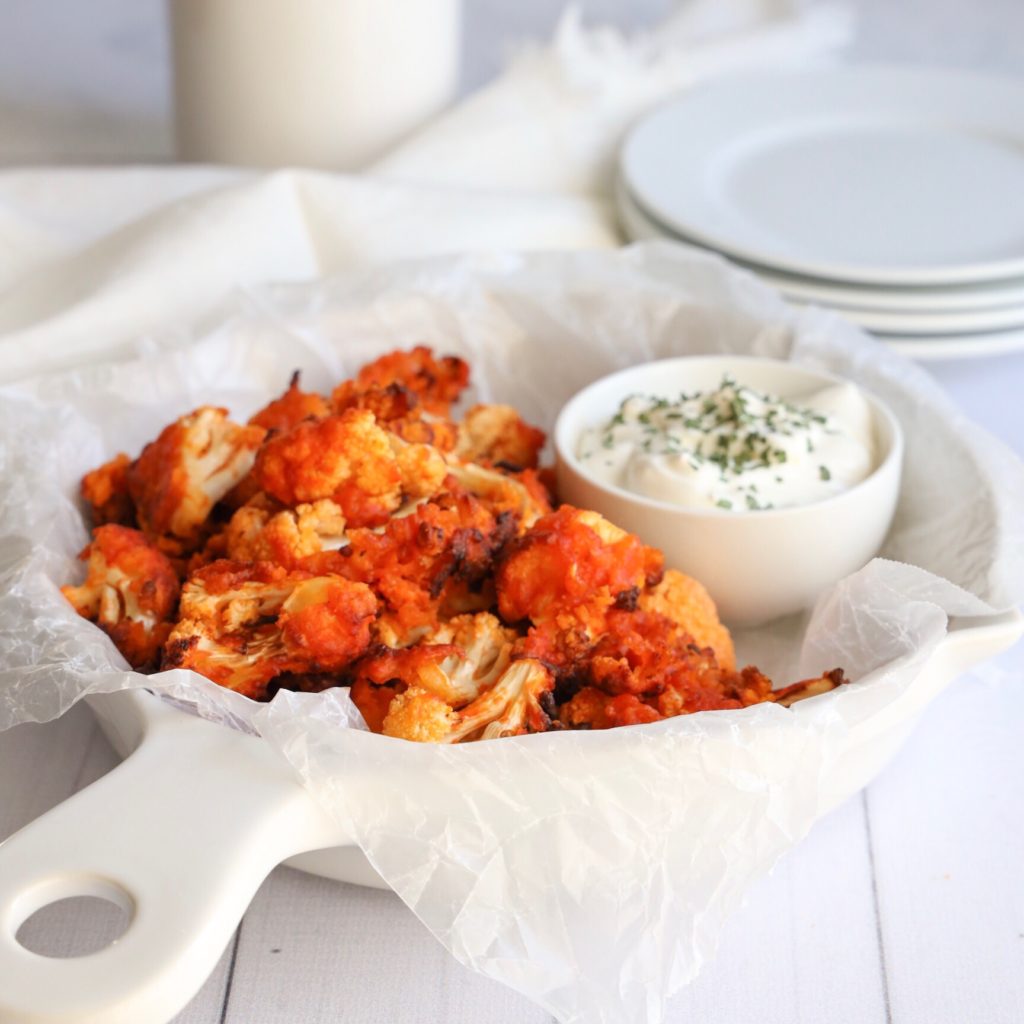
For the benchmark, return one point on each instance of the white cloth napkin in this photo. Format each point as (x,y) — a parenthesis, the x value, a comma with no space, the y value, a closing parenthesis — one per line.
(93,260)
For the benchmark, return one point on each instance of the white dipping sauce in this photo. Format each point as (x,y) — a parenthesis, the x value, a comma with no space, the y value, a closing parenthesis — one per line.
(734,448)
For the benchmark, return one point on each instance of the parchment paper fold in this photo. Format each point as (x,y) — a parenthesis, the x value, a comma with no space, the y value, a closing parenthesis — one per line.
(590,871)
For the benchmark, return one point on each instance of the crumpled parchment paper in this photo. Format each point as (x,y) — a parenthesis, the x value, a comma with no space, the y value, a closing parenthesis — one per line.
(590,871)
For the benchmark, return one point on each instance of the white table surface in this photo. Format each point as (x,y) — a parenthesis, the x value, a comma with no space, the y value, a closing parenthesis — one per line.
(906,905)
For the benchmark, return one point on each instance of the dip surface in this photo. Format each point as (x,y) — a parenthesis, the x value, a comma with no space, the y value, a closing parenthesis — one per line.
(734,448)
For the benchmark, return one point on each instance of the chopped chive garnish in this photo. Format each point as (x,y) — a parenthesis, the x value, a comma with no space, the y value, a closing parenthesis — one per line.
(736,429)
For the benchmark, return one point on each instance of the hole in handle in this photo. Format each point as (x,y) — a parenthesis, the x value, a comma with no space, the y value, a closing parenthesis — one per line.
(72,917)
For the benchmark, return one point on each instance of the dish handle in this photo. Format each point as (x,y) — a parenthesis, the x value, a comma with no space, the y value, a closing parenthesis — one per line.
(968,642)
(180,835)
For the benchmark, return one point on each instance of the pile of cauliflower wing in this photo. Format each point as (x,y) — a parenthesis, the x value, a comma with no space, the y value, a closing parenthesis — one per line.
(369,540)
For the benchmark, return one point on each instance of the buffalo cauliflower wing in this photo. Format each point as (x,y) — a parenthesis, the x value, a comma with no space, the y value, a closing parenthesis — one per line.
(398,410)
(519,702)
(570,568)
(415,561)
(105,491)
(457,661)
(387,672)
(130,592)
(484,648)
(294,406)
(180,476)
(495,435)
(591,708)
(436,382)
(420,716)
(327,620)
(243,624)
(258,533)
(352,461)
(646,668)
(521,495)
(594,708)
(688,604)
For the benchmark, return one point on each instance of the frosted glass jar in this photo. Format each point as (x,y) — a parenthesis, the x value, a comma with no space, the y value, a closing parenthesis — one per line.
(315,83)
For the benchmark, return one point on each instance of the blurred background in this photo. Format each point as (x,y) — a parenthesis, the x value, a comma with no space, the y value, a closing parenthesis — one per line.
(90,82)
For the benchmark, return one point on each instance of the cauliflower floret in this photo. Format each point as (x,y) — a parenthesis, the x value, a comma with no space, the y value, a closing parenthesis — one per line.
(327,619)
(652,657)
(351,460)
(499,492)
(398,410)
(524,696)
(347,458)
(388,402)
(702,685)
(494,434)
(591,708)
(456,662)
(257,533)
(422,468)
(294,406)
(243,625)
(571,568)
(436,382)
(688,604)
(519,702)
(228,596)
(245,662)
(421,716)
(385,674)
(374,700)
(130,592)
(646,668)
(484,651)
(105,491)
(194,462)
(415,562)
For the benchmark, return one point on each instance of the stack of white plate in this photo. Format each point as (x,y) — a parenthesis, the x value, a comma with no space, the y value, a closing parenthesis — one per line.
(895,196)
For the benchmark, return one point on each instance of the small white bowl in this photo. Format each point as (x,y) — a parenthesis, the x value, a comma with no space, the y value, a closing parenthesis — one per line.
(756,565)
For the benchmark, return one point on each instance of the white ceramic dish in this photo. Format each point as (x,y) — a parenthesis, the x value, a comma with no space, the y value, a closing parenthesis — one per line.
(862,175)
(939,348)
(639,227)
(756,565)
(640,224)
(181,836)
(185,830)
(964,299)
(912,325)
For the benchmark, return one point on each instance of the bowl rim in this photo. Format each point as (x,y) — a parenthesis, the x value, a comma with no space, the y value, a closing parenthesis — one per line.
(565,455)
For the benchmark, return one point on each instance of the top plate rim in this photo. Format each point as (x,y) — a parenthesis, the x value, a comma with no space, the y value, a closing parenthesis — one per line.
(1001,97)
